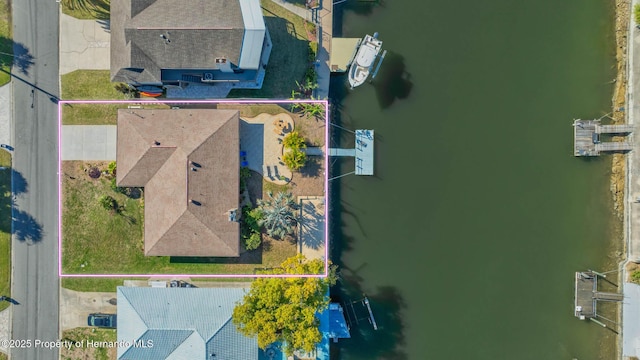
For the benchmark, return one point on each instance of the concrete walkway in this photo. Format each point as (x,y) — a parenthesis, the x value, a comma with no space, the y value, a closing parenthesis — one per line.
(261,142)
(88,142)
(75,306)
(325,19)
(631,306)
(5,115)
(84,44)
(311,234)
(5,328)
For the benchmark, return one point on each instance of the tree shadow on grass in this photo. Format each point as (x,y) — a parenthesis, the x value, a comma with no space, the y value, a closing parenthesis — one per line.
(13,54)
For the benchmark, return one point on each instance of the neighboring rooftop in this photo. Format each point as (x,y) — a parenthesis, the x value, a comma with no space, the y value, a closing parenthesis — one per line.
(151,36)
(183,323)
(188,162)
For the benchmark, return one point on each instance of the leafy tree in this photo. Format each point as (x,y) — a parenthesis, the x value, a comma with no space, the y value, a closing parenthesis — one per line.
(278,215)
(293,140)
(284,309)
(636,13)
(294,159)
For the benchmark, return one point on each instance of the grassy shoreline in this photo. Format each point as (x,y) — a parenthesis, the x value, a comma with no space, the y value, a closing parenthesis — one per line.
(5,227)
(6,42)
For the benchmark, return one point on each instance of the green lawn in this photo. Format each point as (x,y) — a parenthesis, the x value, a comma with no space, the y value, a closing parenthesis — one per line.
(92,85)
(289,55)
(5,227)
(92,284)
(87,9)
(89,85)
(82,335)
(6,42)
(95,241)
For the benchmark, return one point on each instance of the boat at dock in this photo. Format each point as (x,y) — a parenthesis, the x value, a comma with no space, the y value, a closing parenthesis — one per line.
(365,57)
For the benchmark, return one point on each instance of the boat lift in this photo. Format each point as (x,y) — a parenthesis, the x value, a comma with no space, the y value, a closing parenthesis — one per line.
(359,310)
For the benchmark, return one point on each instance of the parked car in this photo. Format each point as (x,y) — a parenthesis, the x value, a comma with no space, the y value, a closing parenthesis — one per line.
(180,283)
(103,320)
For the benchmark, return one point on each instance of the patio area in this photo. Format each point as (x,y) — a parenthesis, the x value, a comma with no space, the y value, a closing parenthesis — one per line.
(261,146)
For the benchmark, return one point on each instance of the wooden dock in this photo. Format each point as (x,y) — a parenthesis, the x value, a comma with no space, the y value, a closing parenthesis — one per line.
(586,138)
(585,304)
(587,296)
(614,129)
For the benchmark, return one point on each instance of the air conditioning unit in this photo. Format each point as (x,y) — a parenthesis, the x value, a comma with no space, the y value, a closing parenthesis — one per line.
(207,77)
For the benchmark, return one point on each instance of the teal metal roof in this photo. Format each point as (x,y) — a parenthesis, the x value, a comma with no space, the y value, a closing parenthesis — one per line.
(183,323)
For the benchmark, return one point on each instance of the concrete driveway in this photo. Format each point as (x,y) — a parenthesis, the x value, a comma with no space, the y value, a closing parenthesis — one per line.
(84,44)
(89,142)
(75,306)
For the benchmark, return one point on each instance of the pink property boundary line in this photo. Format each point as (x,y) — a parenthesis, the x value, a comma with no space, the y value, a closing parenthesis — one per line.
(61,103)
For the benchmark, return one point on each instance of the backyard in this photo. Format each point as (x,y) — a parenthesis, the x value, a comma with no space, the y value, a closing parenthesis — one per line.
(91,233)
(290,50)
(5,226)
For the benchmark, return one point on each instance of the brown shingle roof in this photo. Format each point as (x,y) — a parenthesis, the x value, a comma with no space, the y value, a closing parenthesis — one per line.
(196,32)
(157,149)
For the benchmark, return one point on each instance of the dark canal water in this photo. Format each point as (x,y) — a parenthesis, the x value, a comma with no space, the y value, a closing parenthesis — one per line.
(467,238)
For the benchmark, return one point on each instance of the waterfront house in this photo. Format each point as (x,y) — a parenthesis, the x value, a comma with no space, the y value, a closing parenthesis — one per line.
(185,161)
(195,323)
(167,44)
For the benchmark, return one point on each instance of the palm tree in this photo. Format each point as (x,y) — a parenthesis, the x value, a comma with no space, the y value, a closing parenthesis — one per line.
(278,216)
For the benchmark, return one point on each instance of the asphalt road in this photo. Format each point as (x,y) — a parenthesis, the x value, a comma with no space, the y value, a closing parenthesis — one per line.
(35,226)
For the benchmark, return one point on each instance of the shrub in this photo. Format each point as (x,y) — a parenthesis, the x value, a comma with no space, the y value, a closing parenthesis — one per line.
(636,13)
(294,141)
(253,241)
(312,50)
(294,159)
(108,202)
(251,217)
(635,276)
(112,168)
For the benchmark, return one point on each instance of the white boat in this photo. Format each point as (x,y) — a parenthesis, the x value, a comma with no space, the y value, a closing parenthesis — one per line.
(365,57)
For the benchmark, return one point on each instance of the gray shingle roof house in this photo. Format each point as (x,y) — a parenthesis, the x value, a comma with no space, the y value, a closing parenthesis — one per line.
(188,42)
(185,161)
(182,323)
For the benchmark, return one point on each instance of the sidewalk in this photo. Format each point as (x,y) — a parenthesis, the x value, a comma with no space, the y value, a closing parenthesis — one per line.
(630,334)
(5,115)
(5,328)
